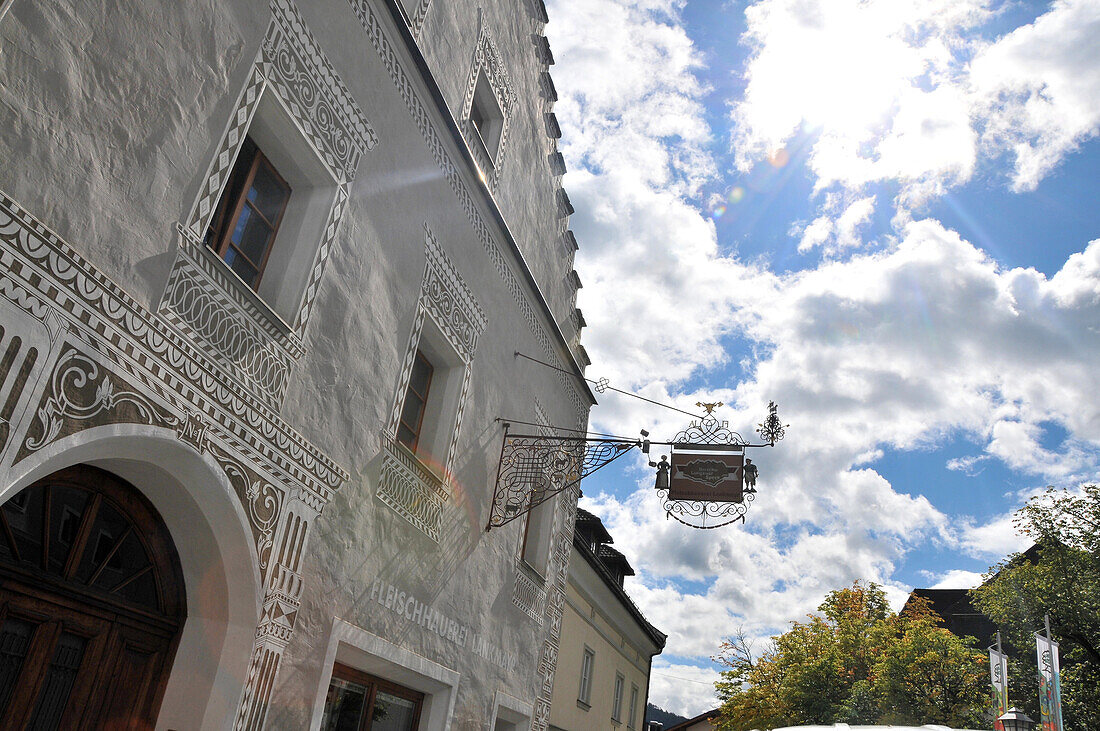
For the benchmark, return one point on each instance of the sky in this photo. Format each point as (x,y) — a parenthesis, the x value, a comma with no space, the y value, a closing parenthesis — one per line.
(880,214)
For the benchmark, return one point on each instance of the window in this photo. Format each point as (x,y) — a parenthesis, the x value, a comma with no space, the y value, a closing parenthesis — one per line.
(617,699)
(416,399)
(351,692)
(585,693)
(633,708)
(486,116)
(248,215)
(512,714)
(537,535)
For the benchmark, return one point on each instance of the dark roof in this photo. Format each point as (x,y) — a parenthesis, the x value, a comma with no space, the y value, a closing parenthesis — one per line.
(614,559)
(592,527)
(704,716)
(959,614)
(584,548)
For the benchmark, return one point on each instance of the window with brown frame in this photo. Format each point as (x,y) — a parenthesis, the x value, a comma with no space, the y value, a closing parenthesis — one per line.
(416,399)
(352,692)
(248,215)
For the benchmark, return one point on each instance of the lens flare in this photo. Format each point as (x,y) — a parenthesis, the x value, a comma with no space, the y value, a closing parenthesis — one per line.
(779,158)
(736,194)
(718,212)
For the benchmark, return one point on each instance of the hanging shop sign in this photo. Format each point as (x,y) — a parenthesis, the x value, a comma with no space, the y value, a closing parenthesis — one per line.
(708,483)
(707,475)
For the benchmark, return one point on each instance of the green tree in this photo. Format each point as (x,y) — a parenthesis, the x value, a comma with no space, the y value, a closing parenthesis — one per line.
(928,675)
(855,662)
(1060,577)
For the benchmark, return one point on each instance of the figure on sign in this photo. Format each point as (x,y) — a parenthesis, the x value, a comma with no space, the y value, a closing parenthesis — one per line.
(750,476)
(662,472)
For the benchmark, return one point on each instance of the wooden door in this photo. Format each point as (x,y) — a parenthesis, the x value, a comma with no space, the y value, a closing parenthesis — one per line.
(91,604)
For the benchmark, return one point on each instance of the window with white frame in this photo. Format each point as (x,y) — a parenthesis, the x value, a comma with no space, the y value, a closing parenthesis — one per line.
(417,693)
(487,106)
(588,662)
(632,709)
(357,701)
(617,699)
(538,527)
(438,363)
(424,424)
(511,714)
(430,404)
(486,116)
(272,212)
(272,198)
(248,215)
(538,531)
(416,401)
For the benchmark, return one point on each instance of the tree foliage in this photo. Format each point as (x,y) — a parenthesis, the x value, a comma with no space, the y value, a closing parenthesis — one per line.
(1060,577)
(855,662)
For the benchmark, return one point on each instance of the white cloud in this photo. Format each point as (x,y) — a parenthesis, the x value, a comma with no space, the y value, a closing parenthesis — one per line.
(686,690)
(968,465)
(839,226)
(902,348)
(957,579)
(992,540)
(922,339)
(1038,88)
(879,80)
(905,92)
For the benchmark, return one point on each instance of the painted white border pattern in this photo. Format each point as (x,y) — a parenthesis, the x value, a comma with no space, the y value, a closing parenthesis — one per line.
(200,297)
(487,58)
(450,304)
(418,16)
(568,504)
(112,361)
(422,118)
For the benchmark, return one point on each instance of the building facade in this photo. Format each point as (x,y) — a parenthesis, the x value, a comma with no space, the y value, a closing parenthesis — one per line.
(265,271)
(608,646)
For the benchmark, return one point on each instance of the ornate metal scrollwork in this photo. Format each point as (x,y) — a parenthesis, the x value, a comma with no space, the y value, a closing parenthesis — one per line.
(535,468)
(701,513)
(772,430)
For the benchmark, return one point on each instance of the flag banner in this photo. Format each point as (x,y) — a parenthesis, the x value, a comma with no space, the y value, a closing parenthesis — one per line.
(707,476)
(1050,688)
(998,678)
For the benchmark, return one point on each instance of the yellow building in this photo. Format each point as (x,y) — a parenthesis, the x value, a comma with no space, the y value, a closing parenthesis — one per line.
(607,646)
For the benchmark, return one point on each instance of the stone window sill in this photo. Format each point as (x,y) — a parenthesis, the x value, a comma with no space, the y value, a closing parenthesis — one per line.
(531,572)
(274,320)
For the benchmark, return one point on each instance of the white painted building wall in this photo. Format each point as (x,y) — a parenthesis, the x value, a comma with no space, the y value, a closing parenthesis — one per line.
(260,424)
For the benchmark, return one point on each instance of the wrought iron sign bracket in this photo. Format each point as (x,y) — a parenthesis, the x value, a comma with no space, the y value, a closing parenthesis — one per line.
(710,482)
(535,467)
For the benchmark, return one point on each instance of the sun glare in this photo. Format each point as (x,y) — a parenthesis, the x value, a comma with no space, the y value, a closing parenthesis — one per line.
(840,72)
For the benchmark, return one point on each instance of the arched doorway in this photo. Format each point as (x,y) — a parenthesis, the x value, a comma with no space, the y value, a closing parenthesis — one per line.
(91,604)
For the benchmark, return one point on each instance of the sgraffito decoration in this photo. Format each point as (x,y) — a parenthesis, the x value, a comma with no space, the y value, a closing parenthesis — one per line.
(487,61)
(415,492)
(237,329)
(423,119)
(101,358)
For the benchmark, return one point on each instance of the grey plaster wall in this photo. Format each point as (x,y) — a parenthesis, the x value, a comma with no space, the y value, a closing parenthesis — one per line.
(110,114)
(528,188)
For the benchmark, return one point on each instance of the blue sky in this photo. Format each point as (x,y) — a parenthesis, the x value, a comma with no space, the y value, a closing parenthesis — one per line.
(882,215)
